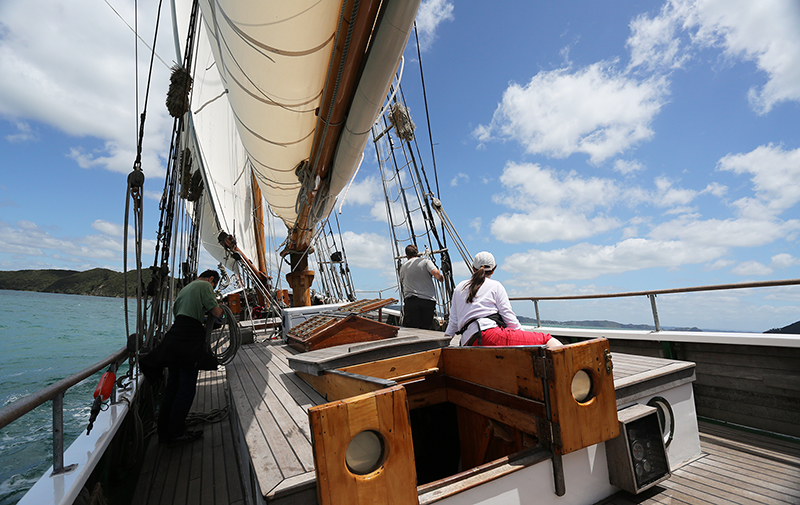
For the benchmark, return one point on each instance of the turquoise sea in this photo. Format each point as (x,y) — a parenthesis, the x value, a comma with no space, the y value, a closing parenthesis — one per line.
(44,338)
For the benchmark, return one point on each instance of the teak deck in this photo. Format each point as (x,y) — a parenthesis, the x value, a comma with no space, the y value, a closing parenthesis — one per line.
(271,413)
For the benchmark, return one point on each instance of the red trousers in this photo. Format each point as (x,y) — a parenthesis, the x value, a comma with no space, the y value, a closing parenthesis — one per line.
(499,337)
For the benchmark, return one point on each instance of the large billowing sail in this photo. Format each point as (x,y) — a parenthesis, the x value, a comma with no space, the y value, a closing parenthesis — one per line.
(218,152)
(270,76)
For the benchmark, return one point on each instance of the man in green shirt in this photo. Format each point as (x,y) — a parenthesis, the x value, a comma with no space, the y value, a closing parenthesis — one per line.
(182,348)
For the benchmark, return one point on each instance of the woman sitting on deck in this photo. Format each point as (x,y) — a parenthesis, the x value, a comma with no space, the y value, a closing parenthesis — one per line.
(481,312)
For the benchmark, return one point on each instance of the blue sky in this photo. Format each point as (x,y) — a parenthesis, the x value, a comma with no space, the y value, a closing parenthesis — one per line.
(592,147)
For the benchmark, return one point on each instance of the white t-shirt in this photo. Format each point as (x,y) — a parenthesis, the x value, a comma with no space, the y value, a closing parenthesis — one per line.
(491,298)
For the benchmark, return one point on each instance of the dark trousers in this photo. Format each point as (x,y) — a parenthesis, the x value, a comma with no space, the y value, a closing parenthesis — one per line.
(418,313)
(176,402)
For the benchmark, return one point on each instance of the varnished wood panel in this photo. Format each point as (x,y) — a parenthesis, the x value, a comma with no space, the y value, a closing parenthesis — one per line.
(591,422)
(506,369)
(403,365)
(334,424)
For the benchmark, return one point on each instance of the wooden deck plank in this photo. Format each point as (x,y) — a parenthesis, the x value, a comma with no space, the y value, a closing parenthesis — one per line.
(189,474)
(747,460)
(287,462)
(297,446)
(756,494)
(266,467)
(286,391)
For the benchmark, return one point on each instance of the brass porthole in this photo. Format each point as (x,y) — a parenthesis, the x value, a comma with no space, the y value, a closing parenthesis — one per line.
(582,386)
(365,453)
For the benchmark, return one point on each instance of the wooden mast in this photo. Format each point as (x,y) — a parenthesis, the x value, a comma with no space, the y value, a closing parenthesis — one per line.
(337,97)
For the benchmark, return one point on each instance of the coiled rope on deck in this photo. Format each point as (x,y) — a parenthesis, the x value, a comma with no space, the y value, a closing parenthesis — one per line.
(215,338)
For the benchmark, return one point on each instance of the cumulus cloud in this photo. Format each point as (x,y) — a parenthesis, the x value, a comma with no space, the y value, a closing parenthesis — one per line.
(24,133)
(626,167)
(774,173)
(38,247)
(589,261)
(45,80)
(363,192)
(784,260)
(749,268)
(430,15)
(367,250)
(652,42)
(764,33)
(596,110)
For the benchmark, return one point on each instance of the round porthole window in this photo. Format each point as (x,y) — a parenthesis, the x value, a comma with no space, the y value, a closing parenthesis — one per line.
(365,453)
(582,386)
(665,417)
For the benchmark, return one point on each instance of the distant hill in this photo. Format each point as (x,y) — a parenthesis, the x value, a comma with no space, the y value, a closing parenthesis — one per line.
(602,325)
(793,328)
(95,282)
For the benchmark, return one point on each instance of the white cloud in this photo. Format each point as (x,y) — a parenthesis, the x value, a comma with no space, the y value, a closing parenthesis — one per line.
(775,175)
(531,186)
(39,246)
(628,167)
(589,261)
(430,15)
(596,110)
(45,80)
(364,192)
(460,177)
(720,264)
(667,196)
(367,250)
(763,32)
(24,133)
(475,224)
(547,225)
(732,232)
(652,42)
(716,189)
(784,260)
(749,268)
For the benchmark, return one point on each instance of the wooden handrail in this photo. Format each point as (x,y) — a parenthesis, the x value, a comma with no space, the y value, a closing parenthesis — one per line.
(19,408)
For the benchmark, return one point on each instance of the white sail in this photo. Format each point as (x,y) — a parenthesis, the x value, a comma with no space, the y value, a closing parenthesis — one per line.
(259,72)
(273,57)
(227,202)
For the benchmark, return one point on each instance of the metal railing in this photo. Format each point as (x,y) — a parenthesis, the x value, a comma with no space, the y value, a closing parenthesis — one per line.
(653,293)
(55,392)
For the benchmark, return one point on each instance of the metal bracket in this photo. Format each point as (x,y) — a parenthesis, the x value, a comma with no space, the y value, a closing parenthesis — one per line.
(548,432)
(543,367)
(609,363)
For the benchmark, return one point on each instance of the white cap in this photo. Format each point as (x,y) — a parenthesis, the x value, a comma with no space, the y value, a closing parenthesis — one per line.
(484,259)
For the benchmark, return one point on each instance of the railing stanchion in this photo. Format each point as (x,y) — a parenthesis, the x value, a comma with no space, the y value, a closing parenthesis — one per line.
(58,433)
(536,306)
(652,297)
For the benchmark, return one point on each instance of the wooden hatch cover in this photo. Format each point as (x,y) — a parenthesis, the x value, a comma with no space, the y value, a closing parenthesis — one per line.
(345,326)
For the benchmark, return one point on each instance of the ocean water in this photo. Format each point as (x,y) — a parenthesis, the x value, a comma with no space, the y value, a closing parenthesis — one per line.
(44,338)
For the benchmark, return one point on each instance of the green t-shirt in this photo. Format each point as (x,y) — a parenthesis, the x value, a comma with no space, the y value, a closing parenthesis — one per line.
(195,300)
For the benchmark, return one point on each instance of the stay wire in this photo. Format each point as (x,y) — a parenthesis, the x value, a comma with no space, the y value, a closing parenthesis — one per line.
(427,113)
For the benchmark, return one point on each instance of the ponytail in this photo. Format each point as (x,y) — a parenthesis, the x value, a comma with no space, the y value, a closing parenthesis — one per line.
(475,283)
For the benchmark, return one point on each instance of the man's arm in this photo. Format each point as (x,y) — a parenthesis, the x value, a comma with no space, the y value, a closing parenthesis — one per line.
(437,274)
(216,311)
